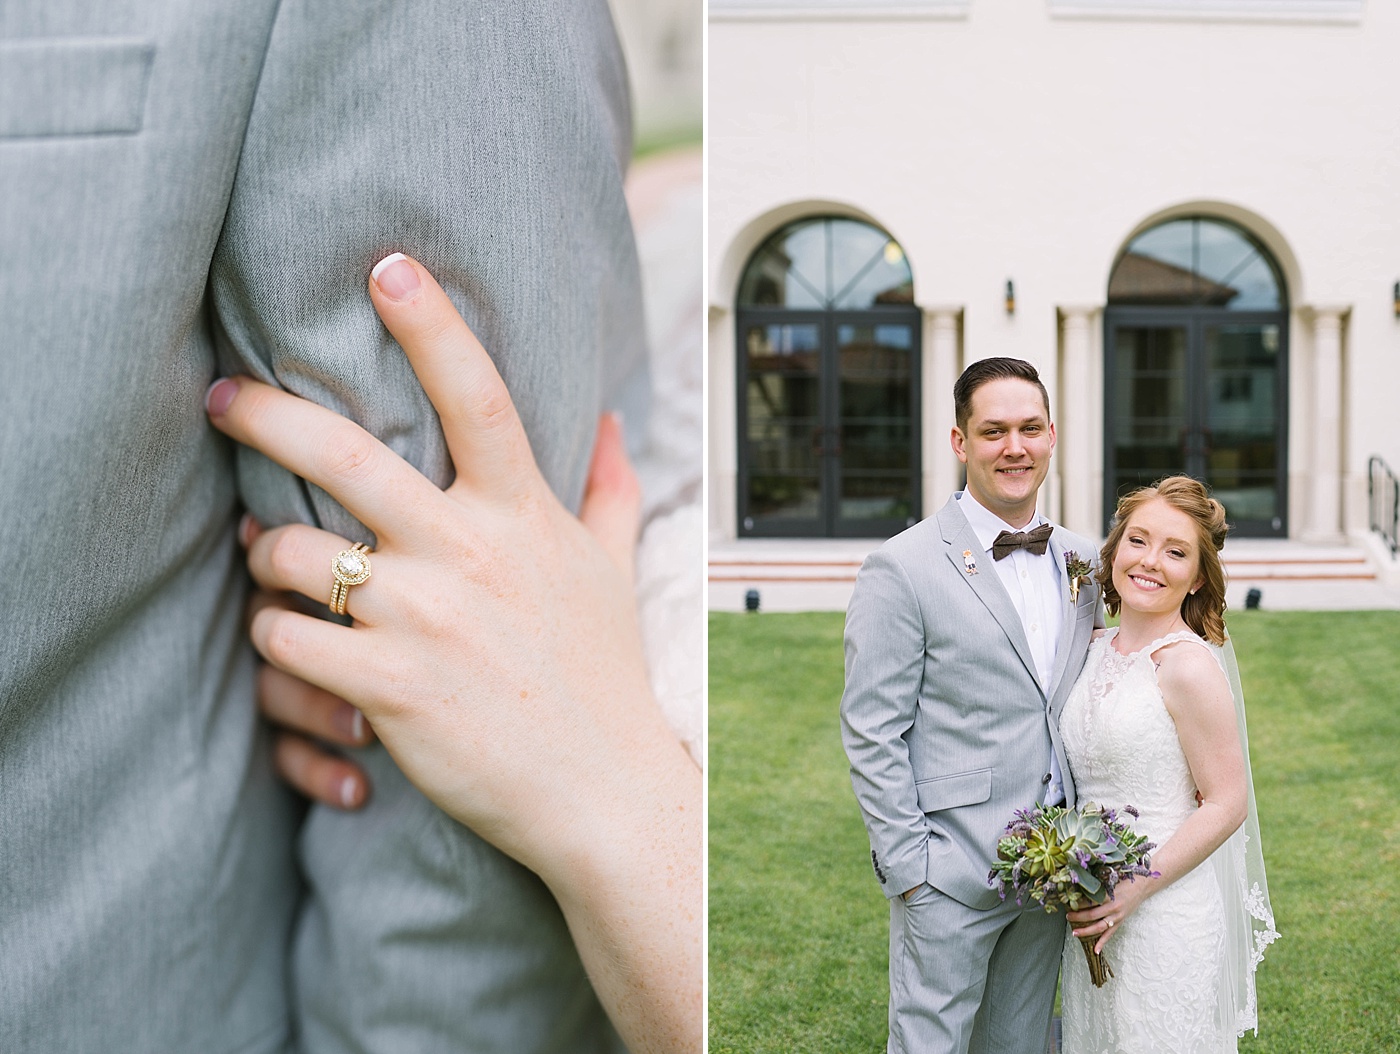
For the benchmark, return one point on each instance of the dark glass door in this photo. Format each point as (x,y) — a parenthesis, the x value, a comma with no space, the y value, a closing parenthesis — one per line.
(782,424)
(1201,392)
(828,422)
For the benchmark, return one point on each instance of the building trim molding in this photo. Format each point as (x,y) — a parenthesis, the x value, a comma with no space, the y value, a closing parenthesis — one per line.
(1334,12)
(836,10)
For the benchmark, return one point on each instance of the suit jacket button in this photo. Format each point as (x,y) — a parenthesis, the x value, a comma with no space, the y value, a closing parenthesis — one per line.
(1045,779)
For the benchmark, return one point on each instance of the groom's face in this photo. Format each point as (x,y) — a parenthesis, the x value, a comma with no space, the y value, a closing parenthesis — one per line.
(1006,447)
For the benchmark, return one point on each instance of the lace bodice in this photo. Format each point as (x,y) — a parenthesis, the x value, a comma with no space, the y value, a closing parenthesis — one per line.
(1121,741)
(1167,956)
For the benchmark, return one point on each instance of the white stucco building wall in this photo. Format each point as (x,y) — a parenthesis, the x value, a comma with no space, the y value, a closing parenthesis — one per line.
(1004,140)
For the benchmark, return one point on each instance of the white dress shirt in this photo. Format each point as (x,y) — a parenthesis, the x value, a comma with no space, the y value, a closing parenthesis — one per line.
(1033,583)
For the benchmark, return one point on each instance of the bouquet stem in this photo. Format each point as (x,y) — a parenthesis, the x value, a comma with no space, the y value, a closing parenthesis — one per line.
(1099,970)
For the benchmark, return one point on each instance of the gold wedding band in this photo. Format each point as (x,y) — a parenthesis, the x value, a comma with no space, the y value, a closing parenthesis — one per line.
(350,567)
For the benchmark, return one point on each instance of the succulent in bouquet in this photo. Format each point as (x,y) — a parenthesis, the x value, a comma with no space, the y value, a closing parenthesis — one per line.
(1071,859)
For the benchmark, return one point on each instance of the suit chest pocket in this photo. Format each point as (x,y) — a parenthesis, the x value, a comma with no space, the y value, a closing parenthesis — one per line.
(952,792)
(73,86)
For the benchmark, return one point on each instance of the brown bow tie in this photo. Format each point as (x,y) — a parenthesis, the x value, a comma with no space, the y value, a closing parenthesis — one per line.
(1036,541)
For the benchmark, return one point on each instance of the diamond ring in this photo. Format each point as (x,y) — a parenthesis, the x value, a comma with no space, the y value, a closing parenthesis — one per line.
(350,567)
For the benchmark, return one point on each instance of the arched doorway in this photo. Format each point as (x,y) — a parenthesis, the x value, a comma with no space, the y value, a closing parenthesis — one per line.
(1196,370)
(828,375)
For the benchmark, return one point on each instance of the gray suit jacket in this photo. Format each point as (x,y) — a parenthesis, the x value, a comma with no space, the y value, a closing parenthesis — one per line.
(945,723)
(193,189)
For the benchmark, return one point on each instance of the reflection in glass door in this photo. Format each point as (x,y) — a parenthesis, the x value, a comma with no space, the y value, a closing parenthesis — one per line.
(1202,396)
(1148,424)
(873,465)
(829,424)
(785,425)
(1243,419)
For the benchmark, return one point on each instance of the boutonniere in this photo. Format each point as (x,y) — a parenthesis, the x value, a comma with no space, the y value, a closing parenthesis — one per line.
(1079,574)
(969,562)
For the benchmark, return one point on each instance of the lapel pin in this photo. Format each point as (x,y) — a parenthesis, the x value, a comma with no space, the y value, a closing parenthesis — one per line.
(969,562)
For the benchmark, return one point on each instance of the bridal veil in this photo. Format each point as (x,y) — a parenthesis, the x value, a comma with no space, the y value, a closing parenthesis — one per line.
(1238,867)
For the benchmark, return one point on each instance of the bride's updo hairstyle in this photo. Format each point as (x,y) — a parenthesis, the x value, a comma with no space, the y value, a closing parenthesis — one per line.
(1204,611)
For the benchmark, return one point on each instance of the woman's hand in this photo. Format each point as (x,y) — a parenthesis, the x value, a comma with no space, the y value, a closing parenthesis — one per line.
(304,717)
(495,653)
(1103,919)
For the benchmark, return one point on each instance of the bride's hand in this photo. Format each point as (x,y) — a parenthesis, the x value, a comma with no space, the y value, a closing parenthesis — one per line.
(304,717)
(1103,919)
(495,653)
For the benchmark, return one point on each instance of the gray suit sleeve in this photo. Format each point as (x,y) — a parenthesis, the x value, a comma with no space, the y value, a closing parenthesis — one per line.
(488,141)
(884,673)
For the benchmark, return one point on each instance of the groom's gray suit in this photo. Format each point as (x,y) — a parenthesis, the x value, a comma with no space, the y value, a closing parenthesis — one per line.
(191,189)
(949,731)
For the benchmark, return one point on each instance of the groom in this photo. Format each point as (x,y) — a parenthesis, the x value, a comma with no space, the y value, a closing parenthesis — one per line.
(962,642)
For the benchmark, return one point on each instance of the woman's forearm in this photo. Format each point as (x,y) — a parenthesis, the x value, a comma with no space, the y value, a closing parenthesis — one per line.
(1203,832)
(629,884)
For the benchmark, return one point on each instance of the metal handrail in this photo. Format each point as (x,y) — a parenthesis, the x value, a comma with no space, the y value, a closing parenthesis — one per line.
(1383,502)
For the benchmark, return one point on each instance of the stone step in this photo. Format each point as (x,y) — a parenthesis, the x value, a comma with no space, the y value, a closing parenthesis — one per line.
(797,570)
(818,575)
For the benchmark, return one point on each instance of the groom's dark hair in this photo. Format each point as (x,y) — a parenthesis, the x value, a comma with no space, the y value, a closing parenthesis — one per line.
(984,370)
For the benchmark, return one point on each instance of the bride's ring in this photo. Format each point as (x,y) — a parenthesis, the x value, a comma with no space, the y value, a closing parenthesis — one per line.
(350,567)
(1110,923)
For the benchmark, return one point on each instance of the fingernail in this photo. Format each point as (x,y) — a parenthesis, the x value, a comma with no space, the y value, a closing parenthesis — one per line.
(219,397)
(247,529)
(349,791)
(349,722)
(396,278)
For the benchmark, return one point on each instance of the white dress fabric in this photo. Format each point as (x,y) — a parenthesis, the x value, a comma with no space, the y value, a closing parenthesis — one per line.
(1167,957)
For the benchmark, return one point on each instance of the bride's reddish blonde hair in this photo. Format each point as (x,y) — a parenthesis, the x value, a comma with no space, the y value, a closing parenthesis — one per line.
(1204,610)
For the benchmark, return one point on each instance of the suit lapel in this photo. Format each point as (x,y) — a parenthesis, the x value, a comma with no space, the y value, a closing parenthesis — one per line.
(1070,635)
(986,583)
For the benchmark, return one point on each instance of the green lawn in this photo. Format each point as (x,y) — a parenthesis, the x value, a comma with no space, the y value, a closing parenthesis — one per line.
(798,924)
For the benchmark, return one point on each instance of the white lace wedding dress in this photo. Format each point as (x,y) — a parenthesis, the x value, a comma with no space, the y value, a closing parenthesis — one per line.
(1167,957)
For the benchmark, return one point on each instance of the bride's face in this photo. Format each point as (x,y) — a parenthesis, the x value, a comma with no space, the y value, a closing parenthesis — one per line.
(1158,560)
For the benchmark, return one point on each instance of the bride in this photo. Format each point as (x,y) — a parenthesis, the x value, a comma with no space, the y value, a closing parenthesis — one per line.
(1156,721)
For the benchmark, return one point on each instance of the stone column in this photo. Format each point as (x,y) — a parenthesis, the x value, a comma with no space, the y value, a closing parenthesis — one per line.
(1325,441)
(1074,431)
(724,420)
(942,361)
(1048,366)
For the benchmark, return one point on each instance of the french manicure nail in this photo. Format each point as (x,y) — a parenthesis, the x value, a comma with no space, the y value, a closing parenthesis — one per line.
(219,397)
(348,792)
(396,278)
(357,726)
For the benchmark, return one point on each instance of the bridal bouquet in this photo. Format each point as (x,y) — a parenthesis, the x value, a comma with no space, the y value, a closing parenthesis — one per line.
(1070,858)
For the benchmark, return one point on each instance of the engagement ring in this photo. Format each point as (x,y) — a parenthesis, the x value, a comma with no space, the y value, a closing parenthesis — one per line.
(350,567)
